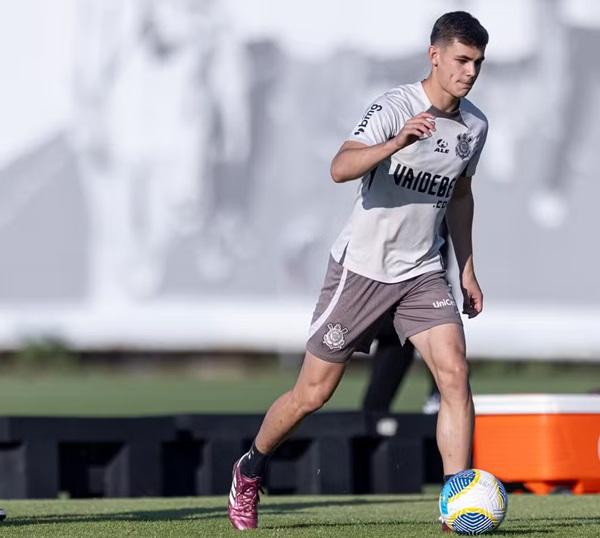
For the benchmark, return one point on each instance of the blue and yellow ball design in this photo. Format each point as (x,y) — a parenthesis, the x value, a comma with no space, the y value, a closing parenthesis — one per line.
(473,502)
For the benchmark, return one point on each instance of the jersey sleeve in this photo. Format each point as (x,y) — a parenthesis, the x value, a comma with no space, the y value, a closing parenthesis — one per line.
(379,123)
(472,166)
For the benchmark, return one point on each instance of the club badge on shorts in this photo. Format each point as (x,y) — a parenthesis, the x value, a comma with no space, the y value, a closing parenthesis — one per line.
(334,337)
(463,146)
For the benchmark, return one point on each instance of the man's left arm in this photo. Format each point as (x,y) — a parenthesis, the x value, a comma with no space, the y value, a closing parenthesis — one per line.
(459,217)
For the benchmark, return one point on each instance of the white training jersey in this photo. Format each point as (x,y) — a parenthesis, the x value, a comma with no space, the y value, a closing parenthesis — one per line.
(393,232)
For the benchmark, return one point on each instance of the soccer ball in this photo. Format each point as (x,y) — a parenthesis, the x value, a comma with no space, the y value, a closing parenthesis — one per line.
(473,502)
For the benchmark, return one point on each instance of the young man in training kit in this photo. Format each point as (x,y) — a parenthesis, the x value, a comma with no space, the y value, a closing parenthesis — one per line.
(415,151)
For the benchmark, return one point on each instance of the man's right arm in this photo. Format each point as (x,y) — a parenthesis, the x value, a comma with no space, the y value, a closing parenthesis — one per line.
(355,159)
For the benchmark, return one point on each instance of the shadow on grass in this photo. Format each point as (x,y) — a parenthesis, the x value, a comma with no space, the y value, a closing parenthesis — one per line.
(200,513)
(521,531)
(303,505)
(565,520)
(398,523)
(281,509)
(555,525)
(131,516)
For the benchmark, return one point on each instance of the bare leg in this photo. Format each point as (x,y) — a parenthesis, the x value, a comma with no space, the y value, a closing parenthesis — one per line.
(316,383)
(443,349)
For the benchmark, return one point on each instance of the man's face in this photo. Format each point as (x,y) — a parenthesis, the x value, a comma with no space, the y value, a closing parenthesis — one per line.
(458,66)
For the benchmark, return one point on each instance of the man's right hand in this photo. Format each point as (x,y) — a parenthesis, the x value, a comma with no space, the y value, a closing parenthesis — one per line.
(418,127)
(355,159)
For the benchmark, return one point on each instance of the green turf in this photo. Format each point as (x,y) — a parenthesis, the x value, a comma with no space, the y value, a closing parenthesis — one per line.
(113,394)
(124,394)
(343,516)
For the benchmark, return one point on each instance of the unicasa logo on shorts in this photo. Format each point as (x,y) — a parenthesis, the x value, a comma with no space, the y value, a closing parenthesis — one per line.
(365,121)
(443,302)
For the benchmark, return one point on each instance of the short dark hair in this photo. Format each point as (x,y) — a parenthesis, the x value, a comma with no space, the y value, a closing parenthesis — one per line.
(459,25)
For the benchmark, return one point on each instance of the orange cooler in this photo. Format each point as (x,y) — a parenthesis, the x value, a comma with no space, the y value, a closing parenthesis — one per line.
(544,441)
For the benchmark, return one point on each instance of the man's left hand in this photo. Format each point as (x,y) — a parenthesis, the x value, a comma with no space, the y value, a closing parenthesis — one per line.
(473,297)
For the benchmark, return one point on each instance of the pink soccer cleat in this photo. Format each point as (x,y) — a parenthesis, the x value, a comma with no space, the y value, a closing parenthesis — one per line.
(243,500)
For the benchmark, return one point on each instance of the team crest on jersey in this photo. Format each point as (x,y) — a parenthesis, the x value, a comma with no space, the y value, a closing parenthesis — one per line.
(463,146)
(334,338)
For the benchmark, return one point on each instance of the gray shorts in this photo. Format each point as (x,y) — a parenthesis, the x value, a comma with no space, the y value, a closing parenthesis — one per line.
(351,308)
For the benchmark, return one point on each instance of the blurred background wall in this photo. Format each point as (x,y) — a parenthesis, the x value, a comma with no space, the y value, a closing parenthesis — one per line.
(164,167)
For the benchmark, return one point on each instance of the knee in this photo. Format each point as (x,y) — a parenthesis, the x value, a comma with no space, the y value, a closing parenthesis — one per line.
(453,378)
(312,398)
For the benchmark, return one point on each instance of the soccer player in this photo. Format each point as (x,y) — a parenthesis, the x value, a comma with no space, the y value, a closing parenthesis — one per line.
(415,151)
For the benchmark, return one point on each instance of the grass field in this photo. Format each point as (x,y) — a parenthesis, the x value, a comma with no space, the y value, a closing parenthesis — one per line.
(112,394)
(104,393)
(373,516)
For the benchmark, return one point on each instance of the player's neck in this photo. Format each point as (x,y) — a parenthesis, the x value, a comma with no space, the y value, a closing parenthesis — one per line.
(438,97)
